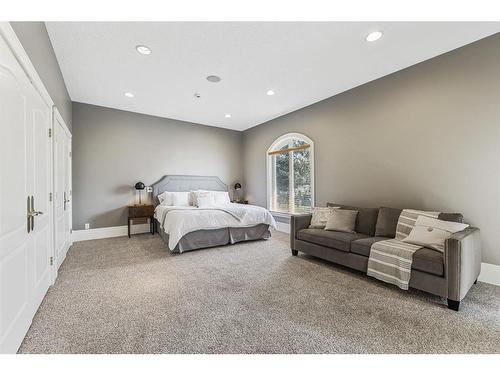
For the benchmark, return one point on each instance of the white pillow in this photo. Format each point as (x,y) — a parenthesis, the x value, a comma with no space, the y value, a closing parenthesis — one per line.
(433,233)
(221,198)
(205,200)
(194,195)
(180,198)
(165,198)
(320,216)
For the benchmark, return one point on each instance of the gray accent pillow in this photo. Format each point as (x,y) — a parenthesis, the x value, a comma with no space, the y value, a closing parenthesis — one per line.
(387,221)
(367,218)
(342,221)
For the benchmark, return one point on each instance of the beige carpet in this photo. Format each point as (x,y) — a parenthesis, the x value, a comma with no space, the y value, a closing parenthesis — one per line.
(125,295)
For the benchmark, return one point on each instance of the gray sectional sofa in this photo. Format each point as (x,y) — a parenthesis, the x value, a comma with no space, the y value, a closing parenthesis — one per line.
(449,275)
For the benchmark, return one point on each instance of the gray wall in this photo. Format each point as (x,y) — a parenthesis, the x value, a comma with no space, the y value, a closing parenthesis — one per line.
(426,137)
(36,42)
(114,149)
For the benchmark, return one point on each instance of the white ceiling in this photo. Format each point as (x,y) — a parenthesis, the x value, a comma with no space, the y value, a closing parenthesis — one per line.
(303,62)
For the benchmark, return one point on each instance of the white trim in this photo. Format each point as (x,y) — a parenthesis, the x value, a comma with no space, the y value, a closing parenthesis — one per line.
(58,117)
(269,168)
(17,49)
(282,227)
(490,273)
(285,215)
(108,232)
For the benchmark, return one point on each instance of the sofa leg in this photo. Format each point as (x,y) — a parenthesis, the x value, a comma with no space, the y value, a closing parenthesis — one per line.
(453,305)
(295,252)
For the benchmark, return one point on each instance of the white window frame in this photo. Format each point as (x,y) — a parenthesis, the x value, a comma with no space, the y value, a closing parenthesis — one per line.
(270,168)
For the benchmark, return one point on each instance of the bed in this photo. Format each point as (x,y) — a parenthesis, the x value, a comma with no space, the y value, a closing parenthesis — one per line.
(191,228)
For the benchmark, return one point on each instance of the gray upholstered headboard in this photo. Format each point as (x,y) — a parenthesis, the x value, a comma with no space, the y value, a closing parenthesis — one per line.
(186,183)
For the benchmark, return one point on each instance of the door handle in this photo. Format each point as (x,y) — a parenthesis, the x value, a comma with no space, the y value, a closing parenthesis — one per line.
(28,214)
(65,201)
(31,213)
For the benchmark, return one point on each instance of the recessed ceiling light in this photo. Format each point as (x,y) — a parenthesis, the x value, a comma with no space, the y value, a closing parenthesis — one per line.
(143,50)
(129,95)
(213,79)
(373,36)
(227,115)
(270,92)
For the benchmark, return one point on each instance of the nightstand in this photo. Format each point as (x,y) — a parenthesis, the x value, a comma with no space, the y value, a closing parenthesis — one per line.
(144,211)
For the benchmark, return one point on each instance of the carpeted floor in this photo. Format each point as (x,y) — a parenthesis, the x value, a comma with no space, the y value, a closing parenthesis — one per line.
(123,295)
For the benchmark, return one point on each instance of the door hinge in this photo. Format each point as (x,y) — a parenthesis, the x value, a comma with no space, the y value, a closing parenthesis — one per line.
(50,132)
(51,261)
(70,154)
(71,231)
(50,197)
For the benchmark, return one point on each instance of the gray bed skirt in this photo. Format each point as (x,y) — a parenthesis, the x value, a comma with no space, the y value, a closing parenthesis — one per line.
(201,239)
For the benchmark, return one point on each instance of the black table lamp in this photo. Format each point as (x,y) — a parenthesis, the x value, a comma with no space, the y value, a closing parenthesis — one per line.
(140,186)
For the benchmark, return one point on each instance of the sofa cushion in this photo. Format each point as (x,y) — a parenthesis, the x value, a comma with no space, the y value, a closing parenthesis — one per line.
(387,221)
(428,260)
(366,220)
(336,240)
(363,245)
(425,260)
(449,216)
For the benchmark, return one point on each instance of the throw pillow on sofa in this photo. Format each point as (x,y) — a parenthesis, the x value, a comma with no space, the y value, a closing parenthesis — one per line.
(433,233)
(366,220)
(320,216)
(342,221)
(387,221)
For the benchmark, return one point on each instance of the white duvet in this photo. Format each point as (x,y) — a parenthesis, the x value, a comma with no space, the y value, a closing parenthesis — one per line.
(177,221)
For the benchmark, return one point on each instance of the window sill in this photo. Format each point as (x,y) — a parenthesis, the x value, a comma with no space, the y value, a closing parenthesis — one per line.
(281,214)
(287,214)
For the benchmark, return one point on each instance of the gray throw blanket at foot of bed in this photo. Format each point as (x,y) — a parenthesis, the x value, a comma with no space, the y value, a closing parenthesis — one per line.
(391,260)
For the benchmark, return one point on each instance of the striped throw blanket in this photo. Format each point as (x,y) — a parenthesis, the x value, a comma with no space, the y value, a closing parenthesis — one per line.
(391,260)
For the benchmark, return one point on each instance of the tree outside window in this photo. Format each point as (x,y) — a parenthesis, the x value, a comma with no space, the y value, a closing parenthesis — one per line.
(290,174)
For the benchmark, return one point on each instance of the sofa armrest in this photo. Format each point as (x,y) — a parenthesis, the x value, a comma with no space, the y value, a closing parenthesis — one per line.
(462,254)
(298,222)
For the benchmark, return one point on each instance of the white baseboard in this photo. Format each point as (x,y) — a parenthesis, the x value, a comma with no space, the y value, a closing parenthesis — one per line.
(490,273)
(108,232)
(283,227)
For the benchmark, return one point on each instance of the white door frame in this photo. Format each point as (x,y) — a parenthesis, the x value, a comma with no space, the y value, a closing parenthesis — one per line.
(9,35)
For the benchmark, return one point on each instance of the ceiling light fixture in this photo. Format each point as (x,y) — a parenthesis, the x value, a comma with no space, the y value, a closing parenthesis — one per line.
(143,50)
(374,36)
(270,92)
(227,115)
(129,95)
(213,79)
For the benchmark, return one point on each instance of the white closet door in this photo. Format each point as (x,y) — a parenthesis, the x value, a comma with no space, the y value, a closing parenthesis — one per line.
(25,159)
(42,226)
(62,190)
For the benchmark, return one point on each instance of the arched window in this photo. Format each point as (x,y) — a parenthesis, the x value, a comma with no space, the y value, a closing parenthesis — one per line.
(290,174)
